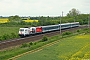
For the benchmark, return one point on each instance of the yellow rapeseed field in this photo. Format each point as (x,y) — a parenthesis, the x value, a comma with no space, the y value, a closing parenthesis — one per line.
(84,52)
(28,20)
(4,20)
(83,36)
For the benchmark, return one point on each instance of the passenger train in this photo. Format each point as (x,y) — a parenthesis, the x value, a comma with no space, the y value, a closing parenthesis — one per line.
(42,29)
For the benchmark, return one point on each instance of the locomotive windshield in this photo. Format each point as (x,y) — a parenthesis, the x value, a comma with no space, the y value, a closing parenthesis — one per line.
(21,29)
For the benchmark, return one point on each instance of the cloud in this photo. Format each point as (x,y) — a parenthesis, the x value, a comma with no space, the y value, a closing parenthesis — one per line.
(42,7)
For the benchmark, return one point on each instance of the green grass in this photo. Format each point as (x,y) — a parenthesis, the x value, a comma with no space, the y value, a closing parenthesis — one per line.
(8,53)
(72,48)
(7,33)
(8,30)
(14,51)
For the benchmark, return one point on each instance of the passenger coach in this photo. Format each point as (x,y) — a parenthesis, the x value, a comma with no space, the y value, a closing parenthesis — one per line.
(43,29)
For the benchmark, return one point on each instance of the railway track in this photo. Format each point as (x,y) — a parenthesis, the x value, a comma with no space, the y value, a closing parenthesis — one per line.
(15,42)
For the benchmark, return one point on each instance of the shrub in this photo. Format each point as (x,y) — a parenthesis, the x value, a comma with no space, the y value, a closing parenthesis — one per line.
(78,30)
(35,43)
(24,45)
(31,43)
(66,33)
(0,38)
(5,37)
(13,35)
(44,39)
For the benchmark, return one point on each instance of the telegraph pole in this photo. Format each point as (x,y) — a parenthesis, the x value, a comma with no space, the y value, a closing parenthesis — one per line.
(62,13)
(60,23)
(89,21)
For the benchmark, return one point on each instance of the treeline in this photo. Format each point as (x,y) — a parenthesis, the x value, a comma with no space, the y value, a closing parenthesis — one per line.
(72,16)
(42,21)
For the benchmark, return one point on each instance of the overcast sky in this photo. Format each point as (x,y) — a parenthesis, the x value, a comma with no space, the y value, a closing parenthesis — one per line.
(42,7)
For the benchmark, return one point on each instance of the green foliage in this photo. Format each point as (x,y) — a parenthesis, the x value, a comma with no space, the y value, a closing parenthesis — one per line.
(24,45)
(8,33)
(62,52)
(78,30)
(15,18)
(13,35)
(44,39)
(85,30)
(72,48)
(72,15)
(5,37)
(43,21)
(35,43)
(31,43)
(66,33)
(73,12)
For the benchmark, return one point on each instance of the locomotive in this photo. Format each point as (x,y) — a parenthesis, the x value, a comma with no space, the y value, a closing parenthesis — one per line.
(42,29)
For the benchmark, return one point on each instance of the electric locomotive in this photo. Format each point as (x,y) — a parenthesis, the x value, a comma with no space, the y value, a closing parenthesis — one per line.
(42,29)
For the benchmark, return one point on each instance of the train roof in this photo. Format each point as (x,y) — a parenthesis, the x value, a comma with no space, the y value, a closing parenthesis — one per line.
(50,25)
(69,23)
(59,24)
(74,22)
(64,23)
(23,28)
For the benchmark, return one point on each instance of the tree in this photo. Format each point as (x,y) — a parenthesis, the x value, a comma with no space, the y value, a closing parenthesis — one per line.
(15,18)
(73,12)
(42,20)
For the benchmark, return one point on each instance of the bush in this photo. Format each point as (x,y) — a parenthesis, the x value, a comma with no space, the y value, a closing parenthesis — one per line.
(13,35)
(5,37)
(44,39)
(66,33)
(86,30)
(31,43)
(35,43)
(0,38)
(78,30)
(24,45)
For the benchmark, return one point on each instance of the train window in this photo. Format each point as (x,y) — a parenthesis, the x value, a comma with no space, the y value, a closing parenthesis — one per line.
(25,30)
(21,29)
(65,25)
